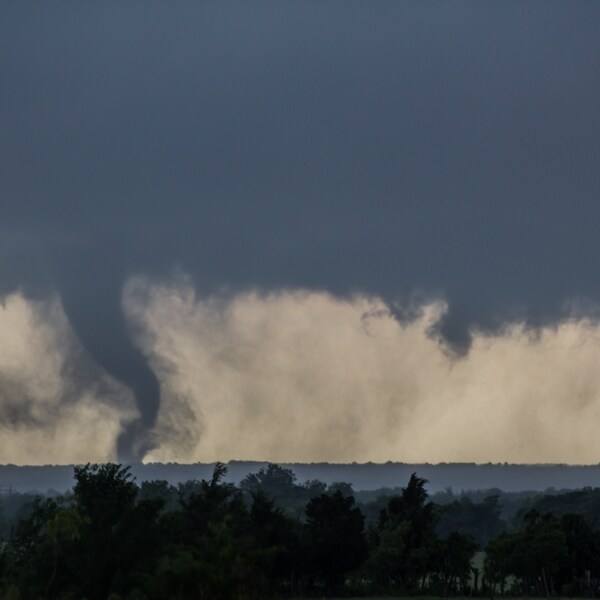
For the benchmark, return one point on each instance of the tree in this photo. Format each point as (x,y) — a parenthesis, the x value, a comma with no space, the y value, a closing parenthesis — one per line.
(30,558)
(536,555)
(335,539)
(273,481)
(498,563)
(159,490)
(211,502)
(540,552)
(278,535)
(384,566)
(213,551)
(583,554)
(341,486)
(452,562)
(61,530)
(404,541)
(481,520)
(279,484)
(119,541)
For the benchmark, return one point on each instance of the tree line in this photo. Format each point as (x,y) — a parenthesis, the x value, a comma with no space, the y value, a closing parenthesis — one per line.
(272,537)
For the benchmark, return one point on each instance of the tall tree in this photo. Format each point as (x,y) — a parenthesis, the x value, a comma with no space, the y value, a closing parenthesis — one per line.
(335,537)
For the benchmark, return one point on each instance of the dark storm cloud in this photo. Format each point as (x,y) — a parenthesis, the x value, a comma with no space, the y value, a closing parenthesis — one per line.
(446,147)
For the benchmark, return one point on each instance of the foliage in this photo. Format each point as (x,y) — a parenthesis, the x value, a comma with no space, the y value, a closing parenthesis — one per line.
(480,520)
(273,537)
(335,539)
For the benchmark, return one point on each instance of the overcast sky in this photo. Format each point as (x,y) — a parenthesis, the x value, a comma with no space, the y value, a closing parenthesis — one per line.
(405,150)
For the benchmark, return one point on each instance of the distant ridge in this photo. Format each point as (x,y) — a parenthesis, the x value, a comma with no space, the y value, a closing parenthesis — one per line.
(363,476)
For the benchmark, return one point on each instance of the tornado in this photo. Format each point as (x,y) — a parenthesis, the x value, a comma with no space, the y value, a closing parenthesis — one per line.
(90,291)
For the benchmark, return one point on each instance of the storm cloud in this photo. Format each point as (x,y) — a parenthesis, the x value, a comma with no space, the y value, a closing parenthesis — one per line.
(415,153)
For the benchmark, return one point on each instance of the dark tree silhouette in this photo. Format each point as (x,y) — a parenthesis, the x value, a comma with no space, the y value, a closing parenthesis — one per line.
(335,537)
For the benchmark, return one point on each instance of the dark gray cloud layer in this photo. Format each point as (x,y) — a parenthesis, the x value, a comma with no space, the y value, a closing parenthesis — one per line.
(448,148)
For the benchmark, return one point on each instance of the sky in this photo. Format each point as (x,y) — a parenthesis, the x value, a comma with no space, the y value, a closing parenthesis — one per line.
(330,230)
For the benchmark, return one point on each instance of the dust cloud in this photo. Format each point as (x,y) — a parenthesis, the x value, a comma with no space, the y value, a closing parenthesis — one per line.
(305,376)
(55,405)
(297,375)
